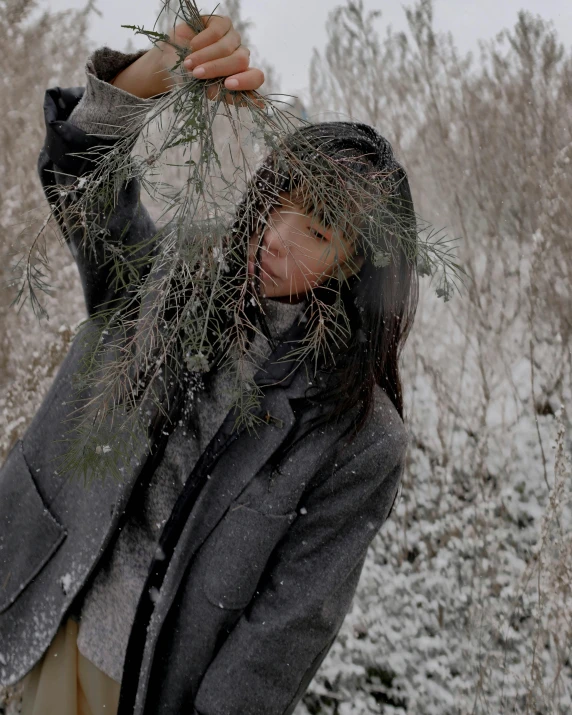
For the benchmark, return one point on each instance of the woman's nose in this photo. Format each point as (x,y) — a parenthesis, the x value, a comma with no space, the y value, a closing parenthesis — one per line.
(273,241)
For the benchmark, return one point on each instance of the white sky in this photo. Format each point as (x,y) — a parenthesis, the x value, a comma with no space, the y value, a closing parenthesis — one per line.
(285,31)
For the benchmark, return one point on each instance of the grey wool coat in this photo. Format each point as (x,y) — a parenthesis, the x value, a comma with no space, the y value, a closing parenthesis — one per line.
(259,562)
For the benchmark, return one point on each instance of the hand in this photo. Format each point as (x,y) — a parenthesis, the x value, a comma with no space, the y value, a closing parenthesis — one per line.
(215,52)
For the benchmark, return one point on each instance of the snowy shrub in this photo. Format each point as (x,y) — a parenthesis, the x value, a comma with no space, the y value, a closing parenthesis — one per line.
(465,602)
(40,50)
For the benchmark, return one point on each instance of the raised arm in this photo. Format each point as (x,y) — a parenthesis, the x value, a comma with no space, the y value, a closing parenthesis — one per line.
(120,90)
(81,122)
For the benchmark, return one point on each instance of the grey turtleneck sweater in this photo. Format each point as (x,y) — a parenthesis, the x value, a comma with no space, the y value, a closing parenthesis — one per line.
(108,608)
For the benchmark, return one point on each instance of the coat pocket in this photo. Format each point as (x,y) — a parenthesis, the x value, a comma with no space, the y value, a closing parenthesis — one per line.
(29,534)
(239,552)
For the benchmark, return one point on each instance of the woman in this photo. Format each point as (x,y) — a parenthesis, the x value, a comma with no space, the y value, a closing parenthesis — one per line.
(215,576)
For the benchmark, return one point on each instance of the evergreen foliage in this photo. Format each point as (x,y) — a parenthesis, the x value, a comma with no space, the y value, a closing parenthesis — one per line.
(192,275)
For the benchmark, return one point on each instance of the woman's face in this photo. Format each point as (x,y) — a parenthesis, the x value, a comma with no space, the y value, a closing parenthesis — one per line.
(297,253)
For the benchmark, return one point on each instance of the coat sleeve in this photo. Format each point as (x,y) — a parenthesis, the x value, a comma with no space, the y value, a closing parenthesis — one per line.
(76,136)
(276,647)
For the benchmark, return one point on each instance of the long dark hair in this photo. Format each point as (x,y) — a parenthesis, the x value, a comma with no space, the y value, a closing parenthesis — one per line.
(381,300)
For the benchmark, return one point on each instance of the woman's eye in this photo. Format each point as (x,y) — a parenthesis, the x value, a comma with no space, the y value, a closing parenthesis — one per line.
(318,234)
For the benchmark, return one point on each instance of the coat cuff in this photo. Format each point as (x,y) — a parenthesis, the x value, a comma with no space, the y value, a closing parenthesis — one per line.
(106,110)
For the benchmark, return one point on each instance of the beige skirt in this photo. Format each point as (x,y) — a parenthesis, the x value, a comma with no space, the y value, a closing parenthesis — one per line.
(67,683)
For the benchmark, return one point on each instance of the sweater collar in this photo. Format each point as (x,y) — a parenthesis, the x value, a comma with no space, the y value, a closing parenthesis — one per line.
(281,316)
(283,364)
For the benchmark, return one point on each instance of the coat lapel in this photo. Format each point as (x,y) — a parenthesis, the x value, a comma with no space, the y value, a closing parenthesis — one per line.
(233,461)
(224,470)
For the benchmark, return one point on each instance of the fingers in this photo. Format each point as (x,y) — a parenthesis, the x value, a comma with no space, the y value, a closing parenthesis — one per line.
(252,78)
(224,66)
(243,82)
(223,48)
(182,34)
(217,52)
(216,28)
